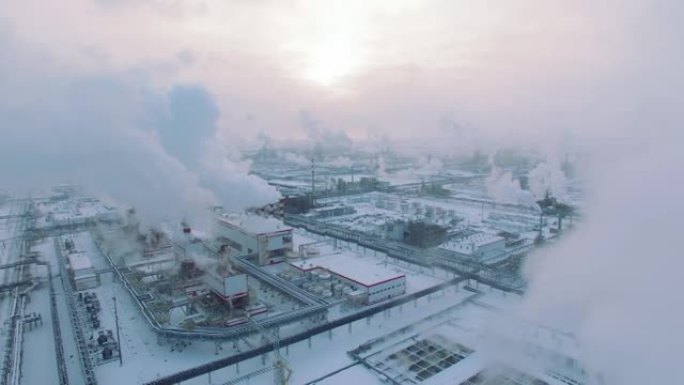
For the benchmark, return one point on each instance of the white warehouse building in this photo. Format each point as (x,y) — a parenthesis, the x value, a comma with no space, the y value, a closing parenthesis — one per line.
(375,283)
(247,234)
(81,272)
(482,246)
(83,275)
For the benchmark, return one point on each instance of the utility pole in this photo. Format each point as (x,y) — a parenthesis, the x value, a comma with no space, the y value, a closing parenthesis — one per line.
(118,335)
(313,178)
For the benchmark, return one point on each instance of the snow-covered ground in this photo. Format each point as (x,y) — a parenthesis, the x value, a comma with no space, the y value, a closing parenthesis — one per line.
(476,327)
(432,275)
(39,347)
(328,351)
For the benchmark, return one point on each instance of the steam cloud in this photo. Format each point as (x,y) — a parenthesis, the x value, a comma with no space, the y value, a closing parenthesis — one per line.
(190,134)
(321,136)
(613,281)
(117,136)
(503,188)
(548,176)
(297,159)
(341,161)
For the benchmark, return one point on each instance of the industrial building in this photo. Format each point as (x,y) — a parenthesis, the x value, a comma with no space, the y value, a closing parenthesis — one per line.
(482,246)
(372,283)
(223,280)
(335,210)
(248,234)
(73,212)
(416,233)
(81,271)
(83,275)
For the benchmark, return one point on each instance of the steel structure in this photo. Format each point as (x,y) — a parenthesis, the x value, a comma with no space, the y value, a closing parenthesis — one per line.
(318,329)
(315,309)
(84,356)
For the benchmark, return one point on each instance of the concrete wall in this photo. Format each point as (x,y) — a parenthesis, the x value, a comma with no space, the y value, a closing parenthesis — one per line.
(85,282)
(386,290)
(492,250)
(235,285)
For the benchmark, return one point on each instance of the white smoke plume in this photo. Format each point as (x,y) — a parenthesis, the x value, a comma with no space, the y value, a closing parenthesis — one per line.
(614,281)
(322,136)
(296,159)
(190,133)
(548,176)
(341,161)
(119,137)
(503,188)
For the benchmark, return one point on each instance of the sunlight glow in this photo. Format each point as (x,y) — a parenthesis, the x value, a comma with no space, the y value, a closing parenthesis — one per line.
(334,51)
(332,62)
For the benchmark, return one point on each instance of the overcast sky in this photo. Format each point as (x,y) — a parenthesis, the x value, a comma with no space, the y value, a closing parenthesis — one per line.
(400,67)
(166,90)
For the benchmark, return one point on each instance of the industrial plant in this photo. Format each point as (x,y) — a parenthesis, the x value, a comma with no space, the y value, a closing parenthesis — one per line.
(401,275)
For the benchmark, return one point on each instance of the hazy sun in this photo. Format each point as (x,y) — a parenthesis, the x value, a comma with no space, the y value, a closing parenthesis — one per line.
(333,60)
(333,47)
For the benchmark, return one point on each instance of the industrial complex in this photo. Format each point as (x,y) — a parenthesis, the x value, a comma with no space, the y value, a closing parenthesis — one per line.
(368,280)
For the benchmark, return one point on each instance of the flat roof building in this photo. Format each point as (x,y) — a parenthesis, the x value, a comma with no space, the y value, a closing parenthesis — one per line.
(377,282)
(83,275)
(248,234)
(483,246)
